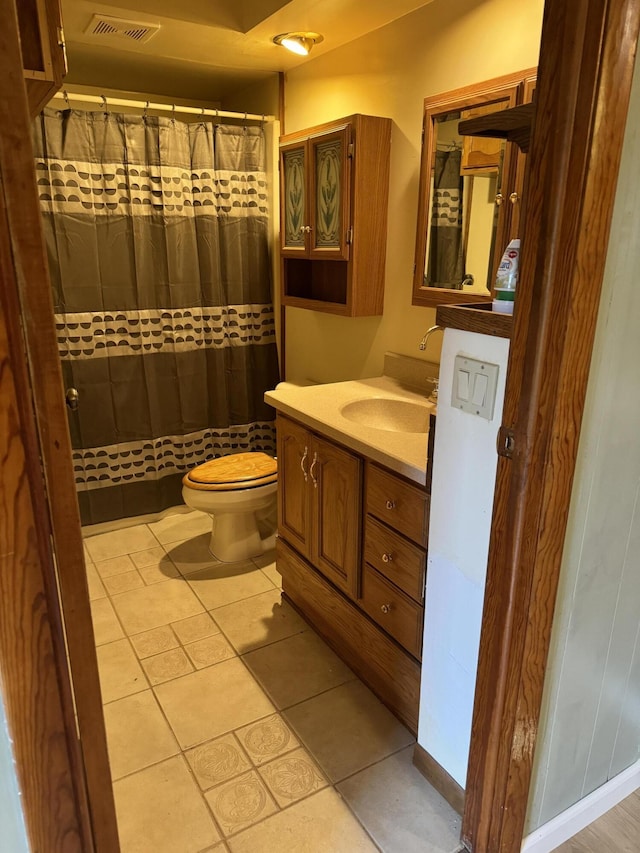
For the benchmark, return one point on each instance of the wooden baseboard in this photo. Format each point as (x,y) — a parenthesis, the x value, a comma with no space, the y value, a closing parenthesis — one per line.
(439,778)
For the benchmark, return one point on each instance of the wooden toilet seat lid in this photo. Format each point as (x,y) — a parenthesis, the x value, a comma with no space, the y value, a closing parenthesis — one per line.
(238,470)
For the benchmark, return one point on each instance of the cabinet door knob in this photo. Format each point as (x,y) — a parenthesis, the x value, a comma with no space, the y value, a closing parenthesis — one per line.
(514,197)
(390,504)
(302,461)
(386,608)
(387,558)
(499,199)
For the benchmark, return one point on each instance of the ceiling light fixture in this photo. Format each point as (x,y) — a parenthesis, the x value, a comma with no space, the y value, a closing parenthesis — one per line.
(300,43)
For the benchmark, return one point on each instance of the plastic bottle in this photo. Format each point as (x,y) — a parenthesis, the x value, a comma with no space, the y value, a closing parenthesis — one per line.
(507,278)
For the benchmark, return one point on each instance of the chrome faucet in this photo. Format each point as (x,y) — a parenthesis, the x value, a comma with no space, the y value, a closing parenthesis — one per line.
(423,343)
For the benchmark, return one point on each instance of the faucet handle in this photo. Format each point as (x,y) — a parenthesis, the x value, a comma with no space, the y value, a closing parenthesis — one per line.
(435,381)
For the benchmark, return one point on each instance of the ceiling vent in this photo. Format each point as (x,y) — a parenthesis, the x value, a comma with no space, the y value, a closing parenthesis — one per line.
(106,27)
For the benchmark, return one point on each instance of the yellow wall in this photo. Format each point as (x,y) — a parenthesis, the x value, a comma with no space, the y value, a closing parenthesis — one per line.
(447,44)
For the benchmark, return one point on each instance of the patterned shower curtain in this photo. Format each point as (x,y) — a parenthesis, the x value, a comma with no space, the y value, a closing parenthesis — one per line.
(157,239)
(446,262)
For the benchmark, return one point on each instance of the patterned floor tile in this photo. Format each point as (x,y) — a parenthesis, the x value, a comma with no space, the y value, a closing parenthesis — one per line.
(267,739)
(292,777)
(217,761)
(240,803)
(155,641)
(167,665)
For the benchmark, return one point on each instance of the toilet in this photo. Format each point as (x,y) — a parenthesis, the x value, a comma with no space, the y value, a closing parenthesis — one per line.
(239,492)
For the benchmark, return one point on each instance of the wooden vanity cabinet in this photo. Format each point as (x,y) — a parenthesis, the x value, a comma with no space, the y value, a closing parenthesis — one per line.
(43,53)
(364,594)
(395,557)
(319,502)
(334,183)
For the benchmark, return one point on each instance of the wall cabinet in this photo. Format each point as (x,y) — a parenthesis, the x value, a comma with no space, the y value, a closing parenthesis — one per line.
(43,54)
(351,549)
(334,182)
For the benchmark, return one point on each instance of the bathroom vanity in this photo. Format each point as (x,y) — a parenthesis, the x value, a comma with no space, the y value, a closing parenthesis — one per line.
(353,510)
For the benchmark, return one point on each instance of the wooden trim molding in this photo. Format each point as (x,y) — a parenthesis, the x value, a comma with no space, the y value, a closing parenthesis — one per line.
(475,318)
(28,313)
(438,777)
(586,65)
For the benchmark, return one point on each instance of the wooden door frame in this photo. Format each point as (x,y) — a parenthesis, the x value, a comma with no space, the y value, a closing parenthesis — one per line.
(36,393)
(585,73)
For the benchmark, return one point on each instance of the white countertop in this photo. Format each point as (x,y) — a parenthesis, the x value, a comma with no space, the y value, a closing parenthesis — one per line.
(318,407)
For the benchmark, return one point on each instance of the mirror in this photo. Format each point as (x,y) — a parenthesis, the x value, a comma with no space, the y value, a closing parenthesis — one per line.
(463,215)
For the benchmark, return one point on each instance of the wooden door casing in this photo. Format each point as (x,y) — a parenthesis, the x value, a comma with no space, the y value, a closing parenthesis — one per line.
(582,95)
(337,485)
(29,309)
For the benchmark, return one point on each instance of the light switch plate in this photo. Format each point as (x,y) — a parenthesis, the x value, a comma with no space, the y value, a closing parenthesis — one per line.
(474,386)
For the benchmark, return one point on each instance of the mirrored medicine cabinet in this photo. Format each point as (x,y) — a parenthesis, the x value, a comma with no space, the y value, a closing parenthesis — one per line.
(470,193)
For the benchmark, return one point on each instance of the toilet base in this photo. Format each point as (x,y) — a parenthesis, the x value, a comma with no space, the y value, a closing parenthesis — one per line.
(243,521)
(236,537)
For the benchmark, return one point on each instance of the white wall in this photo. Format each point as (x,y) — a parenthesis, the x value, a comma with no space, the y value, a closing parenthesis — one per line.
(464,474)
(590,721)
(13,835)
(447,44)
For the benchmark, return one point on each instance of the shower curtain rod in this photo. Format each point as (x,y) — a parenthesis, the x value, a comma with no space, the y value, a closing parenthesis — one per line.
(105,102)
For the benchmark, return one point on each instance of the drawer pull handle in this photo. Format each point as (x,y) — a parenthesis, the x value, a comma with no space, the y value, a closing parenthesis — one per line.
(390,504)
(314,462)
(302,461)
(386,608)
(387,558)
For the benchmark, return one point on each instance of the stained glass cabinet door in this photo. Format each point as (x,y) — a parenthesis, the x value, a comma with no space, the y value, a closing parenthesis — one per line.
(294,217)
(329,195)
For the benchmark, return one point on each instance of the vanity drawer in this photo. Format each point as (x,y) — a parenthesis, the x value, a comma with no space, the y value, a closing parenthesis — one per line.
(392,610)
(394,557)
(398,504)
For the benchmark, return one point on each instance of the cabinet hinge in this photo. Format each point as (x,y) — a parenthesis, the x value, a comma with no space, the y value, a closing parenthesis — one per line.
(63,46)
(506,443)
(350,235)
(351,150)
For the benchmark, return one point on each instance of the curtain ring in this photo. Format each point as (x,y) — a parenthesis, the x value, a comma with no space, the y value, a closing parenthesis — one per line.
(173,113)
(65,95)
(145,112)
(105,106)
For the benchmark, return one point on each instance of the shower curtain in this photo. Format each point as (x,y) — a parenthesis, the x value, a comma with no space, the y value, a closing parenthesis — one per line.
(157,239)
(446,263)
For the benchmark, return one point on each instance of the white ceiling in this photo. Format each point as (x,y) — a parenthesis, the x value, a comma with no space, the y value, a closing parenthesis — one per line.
(207,49)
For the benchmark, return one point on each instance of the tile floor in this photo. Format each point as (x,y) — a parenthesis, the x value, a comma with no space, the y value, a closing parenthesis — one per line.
(231,725)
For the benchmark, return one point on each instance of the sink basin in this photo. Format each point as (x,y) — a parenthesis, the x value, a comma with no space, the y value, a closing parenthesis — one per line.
(388,414)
